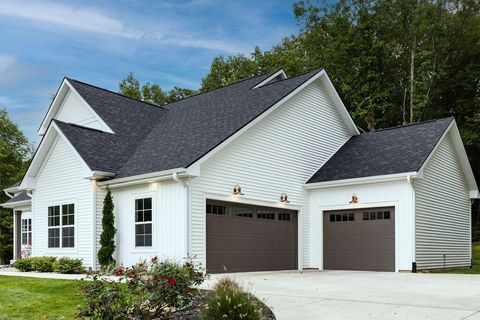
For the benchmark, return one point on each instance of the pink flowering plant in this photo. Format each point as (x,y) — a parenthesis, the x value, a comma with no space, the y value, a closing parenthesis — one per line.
(148,290)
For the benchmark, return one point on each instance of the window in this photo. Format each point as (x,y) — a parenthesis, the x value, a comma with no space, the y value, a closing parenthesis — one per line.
(342,217)
(143,222)
(243,212)
(284,216)
(26,231)
(61,226)
(378,215)
(265,214)
(216,209)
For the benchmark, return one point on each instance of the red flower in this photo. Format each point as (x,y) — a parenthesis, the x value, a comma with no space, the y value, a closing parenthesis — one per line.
(172,282)
(119,271)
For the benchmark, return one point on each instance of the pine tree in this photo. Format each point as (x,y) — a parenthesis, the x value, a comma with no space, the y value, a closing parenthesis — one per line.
(105,254)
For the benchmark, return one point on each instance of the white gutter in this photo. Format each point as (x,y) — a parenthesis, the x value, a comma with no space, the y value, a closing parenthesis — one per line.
(8,194)
(356,181)
(144,178)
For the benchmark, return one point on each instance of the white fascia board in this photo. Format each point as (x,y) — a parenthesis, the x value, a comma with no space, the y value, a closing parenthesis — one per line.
(460,151)
(57,101)
(474,194)
(357,181)
(16,204)
(350,124)
(143,178)
(12,189)
(41,155)
(280,73)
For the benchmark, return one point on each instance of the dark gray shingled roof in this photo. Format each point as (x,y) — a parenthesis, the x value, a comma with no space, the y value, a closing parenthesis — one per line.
(148,138)
(387,151)
(19,197)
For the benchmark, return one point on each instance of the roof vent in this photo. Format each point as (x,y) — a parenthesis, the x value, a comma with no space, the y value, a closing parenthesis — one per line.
(277,76)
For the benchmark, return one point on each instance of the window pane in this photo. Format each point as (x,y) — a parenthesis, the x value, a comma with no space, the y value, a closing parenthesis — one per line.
(338,217)
(139,216)
(209,208)
(332,218)
(147,203)
(148,228)
(243,212)
(344,217)
(139,241)
(373,216)
(351,217)
(148,240)
(54,238)
(379,215)
(139,204)
(286,216)
(147,215)
(68,237)
(54,216)
(139,229)
(366,216)
(386,215)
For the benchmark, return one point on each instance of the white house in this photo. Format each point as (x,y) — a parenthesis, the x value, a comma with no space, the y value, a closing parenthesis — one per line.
(269,173)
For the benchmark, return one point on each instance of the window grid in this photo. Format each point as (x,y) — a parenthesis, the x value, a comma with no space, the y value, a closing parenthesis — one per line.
(243,212)
(61,226)
(26,231)
(376,215)
(284,216)
(216,209)
(143,222)
(342,217)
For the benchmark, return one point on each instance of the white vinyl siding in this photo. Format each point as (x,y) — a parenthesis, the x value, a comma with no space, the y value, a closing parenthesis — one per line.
(443,212)
(276,155)
(169,202)
(60,181)
(75,110)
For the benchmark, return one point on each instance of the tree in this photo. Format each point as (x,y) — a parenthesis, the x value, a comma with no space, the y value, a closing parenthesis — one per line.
(107,238)
(15,152)
(152,93)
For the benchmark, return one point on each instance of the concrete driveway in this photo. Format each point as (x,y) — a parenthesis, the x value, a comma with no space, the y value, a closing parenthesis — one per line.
(364,295)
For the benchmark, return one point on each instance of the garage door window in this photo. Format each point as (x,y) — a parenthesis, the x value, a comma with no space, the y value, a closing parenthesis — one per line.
(343,217)
(377,215)
(284,217)
(243,212)
(216,209)
(265,214)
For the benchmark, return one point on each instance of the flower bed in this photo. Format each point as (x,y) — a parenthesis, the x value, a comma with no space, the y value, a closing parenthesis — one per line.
(49,264)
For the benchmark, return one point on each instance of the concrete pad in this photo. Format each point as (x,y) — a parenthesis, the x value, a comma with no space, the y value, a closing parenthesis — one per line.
(364,295)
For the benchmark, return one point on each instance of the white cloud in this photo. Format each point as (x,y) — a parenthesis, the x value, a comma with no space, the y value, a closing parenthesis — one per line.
(6,62)
(95,21)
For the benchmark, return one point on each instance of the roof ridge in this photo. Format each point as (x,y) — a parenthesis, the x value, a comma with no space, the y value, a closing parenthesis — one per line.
(296,76)
(225,86)
(410,125)
(116,93)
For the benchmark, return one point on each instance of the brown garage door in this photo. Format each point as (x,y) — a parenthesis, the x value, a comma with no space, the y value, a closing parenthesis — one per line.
(250,238)
(359,239)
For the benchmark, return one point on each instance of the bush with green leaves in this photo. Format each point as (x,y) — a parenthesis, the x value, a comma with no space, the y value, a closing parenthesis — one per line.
(107,237)
(151,290)
(230,301)
(43,264)
(68,265)
(475,234)
(23,265)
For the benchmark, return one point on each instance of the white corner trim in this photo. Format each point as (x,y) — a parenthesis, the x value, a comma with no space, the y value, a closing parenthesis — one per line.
(363,180)
(280,73)
(474,194)
(322,73)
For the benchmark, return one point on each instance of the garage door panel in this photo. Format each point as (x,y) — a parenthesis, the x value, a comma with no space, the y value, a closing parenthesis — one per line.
(366,242)
(250,243)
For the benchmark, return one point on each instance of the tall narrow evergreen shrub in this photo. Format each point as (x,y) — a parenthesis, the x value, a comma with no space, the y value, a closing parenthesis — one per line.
(105,254)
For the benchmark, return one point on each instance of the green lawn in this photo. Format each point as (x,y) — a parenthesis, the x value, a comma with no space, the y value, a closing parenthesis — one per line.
(476,263)
(33,298)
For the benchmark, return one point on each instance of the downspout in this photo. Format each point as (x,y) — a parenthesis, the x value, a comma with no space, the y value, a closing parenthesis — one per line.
(414,254)
(186,185)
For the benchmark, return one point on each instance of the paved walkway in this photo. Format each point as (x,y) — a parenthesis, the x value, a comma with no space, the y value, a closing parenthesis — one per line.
(365,295)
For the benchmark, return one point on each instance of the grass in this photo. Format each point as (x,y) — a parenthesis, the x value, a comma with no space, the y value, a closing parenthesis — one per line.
(475,263)
(33,298)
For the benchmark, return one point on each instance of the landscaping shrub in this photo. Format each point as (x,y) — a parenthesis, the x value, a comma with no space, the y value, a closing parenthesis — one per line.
(475,234)
(151,291)
(23,264)
(68,265)
(230,301)
(43,264)
(107,237)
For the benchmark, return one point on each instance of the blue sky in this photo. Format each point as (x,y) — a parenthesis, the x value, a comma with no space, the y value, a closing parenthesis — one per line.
(100,42)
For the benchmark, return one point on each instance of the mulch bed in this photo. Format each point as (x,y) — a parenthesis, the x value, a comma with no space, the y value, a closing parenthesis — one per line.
(193,313)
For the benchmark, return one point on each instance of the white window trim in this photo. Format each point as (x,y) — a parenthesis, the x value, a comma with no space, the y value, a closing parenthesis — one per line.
(152,248)
(27,232)
(61,249)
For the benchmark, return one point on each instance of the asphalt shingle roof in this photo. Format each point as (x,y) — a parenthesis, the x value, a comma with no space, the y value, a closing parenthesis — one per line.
(19,197)
(387,151)
(148,138)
